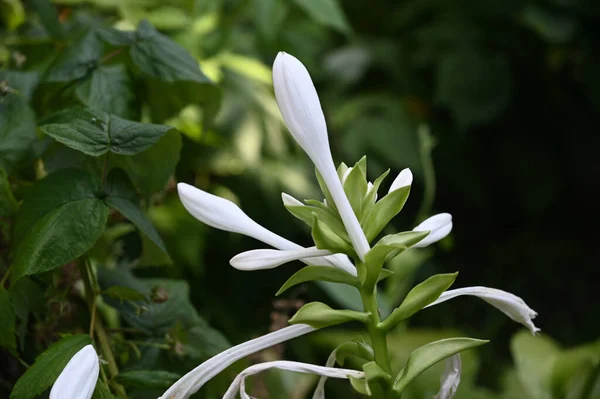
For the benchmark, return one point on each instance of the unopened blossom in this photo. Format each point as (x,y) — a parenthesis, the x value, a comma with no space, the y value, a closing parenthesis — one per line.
(288,200)
(259,259)
(404,178)
(78,378)
(439,227)
(301,110)
(239,384)
(195,379)
(224,215)
(509,304)
(451,378)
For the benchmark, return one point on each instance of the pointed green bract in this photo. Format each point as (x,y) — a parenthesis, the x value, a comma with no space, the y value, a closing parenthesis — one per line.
(325,238)
(319,315)
(355,186)
(383,211)
(330,203)
(371,198)
(353,348)
(322,273)
(420,296)
(307,214)
(428,355)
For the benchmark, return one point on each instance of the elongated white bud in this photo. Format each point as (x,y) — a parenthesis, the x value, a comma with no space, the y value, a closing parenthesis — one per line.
(239,384)
(195,379)
(509,304)
(439,226)
(301,110)
(451,378)
(78,378)
(259,259)
(404,178)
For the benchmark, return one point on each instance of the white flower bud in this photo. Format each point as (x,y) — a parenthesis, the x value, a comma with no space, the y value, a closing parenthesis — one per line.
(78,378)
(259,259)
(439,226)
(404,178)
(451,378)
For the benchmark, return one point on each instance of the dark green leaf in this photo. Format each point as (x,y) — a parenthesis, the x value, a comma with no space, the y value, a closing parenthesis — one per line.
(323,273)
(120,194)
(95,132)
(102,391)
(26,297)
(420,296)
(319,315)
(151,169)
(8,339)
(124,293)
(428,355)
(49,17)
(326,12)
(147,378)
(17,130)
(48,366)
(8,204)
(77,59)
(325,238)
(24,83)
(160,57)
(110,89)
(115,37)
(60,220)
(383,211)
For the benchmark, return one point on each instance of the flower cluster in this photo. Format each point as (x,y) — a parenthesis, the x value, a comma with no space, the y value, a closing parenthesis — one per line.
(343,227)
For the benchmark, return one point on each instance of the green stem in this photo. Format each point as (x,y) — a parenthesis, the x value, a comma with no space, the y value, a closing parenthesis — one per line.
(378,337)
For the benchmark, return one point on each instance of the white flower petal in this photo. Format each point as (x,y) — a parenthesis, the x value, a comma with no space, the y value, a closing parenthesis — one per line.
(370,187)
(195,379)
(320,390)
(346,174)
(509,304)
(404,178)
(301,111)
(225,215)
(439,226)
(288,200)
(451,378)
(238,384)
(269,258)
(78,378)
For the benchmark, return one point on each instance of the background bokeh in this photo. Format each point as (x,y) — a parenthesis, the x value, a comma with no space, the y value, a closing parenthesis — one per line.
(493,104)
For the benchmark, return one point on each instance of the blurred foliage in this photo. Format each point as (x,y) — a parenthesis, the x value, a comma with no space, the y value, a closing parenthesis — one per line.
(502,97)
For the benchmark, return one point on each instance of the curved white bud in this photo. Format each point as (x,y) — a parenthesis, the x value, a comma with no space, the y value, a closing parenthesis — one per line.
(439,227)
(301,110)
(288,200)
(259,259)
(451,378)
(78,378)
(239,384)
(404,178)
(509,304)
(195,379)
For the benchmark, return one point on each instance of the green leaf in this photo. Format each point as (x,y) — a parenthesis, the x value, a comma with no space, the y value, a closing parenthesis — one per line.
(375,375)
(48,366)
(353,348)
(157,379)
(110,89)
(26,297)
(77,59)
(49,18)
(24,83)
(121,195)
(115,37)
(8,204)
(307,213)
(360,385)
(387,248)
(420,296)
(535,358)
(8,339)
(323,273)
(383,211)
(371,197)
(326,12)
(326,193)
(151,169)
(319,315)
(124,293)
(60,219)
(355,187)
(102,392)
(158,56)
(95,132)
(428,355)
(325,238)
(17,131)
(474,85)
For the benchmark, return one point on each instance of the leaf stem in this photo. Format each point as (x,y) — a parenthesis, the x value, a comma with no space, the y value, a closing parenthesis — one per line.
(6,275)
(105,169)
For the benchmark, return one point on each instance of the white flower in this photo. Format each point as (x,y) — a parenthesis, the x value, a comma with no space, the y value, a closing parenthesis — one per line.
(78,378)
(320,390)
(404,178)
(509,304)
(439,227)
(451,378)
(269,258)
(195,379)
(288,200)
(223,214)
(239,384)
(301,110)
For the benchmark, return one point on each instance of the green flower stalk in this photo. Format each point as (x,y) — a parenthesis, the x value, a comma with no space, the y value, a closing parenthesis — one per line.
(348,249)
